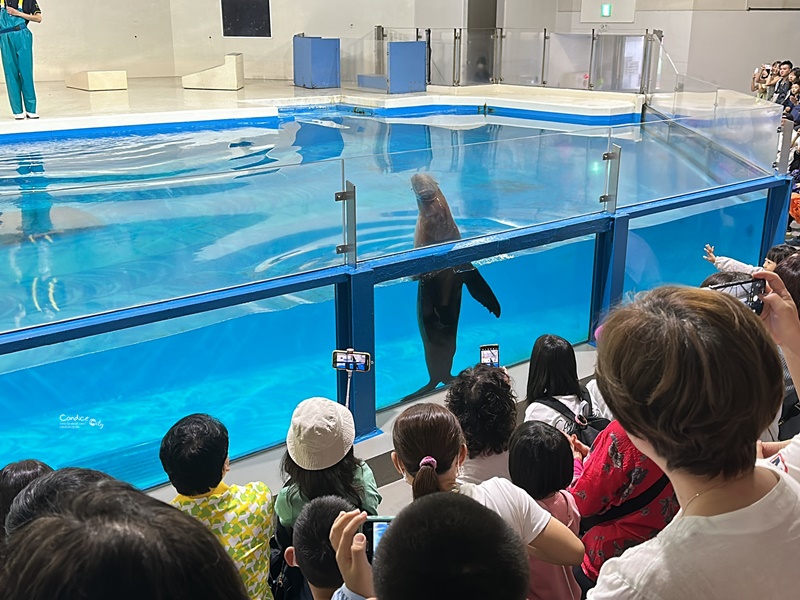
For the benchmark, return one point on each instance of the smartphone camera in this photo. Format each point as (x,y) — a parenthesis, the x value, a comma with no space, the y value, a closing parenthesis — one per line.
(350,360)
(374,529)
(749,292)
(490,355)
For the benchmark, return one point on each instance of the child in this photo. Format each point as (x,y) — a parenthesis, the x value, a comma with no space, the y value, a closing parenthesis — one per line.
(194,454)
(775,255)
(541,462)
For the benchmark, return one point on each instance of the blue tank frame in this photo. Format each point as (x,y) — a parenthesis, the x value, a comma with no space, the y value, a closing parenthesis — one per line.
(355,283)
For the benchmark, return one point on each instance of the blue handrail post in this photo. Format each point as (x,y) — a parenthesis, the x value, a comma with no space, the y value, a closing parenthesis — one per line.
(355,328)
(611,248)
(776,216)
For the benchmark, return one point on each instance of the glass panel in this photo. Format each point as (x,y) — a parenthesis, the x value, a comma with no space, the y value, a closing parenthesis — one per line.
(664,81)
(363,62)
(477,56)
(751,134)
(403,34)
(523,53)
(661,159)
(105,402)
(618,63)
(83,250)
(491,184)
(441,48)
(733,226)
(568,58)
(526,313)
(695,98)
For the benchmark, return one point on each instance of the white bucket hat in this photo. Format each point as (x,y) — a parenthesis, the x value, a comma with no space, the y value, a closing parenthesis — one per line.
(321,434)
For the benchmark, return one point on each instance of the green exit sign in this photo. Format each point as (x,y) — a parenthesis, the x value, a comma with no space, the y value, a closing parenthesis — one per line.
(605,10)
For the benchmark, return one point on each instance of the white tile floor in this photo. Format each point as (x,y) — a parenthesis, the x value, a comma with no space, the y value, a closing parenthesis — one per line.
(163,99)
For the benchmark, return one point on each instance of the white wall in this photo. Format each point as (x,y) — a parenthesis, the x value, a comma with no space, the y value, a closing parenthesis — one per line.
(440,13)
(198,41)
(673,17)
(136,36)
(726,46)
(528,14)
(153,38)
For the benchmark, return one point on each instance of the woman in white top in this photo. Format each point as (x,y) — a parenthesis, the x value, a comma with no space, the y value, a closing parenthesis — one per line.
(677,368)
(429,448)
(484,403)
(553,373)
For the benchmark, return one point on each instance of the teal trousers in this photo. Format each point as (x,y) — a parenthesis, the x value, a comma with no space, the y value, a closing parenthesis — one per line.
(17,50)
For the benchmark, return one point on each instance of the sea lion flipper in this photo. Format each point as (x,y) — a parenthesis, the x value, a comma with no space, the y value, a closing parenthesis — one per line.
(480,290)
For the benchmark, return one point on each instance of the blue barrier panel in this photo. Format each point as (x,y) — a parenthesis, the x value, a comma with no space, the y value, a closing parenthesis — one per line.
(407,67)
(316,62)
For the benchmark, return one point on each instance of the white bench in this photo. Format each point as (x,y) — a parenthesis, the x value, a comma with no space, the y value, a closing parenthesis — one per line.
(98,81)
(227,76)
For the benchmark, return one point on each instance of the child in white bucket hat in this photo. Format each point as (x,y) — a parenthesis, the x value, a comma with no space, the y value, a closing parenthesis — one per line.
(319,461)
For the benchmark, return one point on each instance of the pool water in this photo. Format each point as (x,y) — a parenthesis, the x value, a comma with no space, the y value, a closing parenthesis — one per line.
(91,224)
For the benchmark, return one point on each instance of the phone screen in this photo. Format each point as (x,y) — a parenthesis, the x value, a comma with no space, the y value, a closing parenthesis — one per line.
(349,360)
(374,529)
(490,355)
(749,292)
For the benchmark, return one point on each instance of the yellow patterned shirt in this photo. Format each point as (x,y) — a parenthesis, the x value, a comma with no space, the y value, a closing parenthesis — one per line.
(243,518)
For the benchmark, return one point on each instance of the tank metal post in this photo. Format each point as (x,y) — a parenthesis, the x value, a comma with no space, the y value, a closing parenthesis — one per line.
(776,215)
(545,48)
(355,328)
(611,248)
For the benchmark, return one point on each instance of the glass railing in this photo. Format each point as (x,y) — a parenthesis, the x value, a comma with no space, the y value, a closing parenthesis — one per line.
(618,63)
(522,60)
(519,200)
(569,57)
(478,56)
(487,186)
(73,251)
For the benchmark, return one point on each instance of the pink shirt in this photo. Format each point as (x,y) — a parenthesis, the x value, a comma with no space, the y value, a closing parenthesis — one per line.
(550,582)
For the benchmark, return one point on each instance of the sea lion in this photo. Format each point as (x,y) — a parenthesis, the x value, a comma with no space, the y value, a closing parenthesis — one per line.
(439,292)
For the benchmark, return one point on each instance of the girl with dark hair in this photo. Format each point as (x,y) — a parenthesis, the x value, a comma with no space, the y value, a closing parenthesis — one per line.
(484,403)
(429,448)
(319,461)
(541,461)
(553,374)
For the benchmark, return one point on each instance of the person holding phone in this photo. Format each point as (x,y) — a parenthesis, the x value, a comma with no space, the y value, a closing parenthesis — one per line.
(698,416)
(16,46)
(759,82)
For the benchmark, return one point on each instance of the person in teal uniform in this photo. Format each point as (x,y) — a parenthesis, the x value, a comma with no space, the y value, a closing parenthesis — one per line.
(16,46)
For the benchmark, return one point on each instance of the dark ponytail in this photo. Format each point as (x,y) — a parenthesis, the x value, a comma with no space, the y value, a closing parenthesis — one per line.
(427,439)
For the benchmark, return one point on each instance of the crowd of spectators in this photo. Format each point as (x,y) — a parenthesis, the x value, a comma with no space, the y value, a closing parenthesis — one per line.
(664,477)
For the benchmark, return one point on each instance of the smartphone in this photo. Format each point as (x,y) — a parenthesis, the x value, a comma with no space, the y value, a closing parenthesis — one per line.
(350,360)
(490,355)
(749,292)
(374,529)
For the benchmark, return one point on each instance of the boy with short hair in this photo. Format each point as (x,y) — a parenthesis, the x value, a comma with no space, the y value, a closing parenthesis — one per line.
(442,545)
(194,454)
(312,551)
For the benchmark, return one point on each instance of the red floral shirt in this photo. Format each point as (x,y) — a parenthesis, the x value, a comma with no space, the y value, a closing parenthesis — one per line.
(615,471)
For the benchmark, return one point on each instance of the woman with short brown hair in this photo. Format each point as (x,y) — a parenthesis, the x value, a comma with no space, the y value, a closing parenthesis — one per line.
(694,378)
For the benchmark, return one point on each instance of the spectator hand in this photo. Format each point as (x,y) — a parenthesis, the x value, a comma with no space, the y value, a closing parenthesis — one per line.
(767,449)
(13,11)
(710,254)
(579,449)
(351,552)
(780,313)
